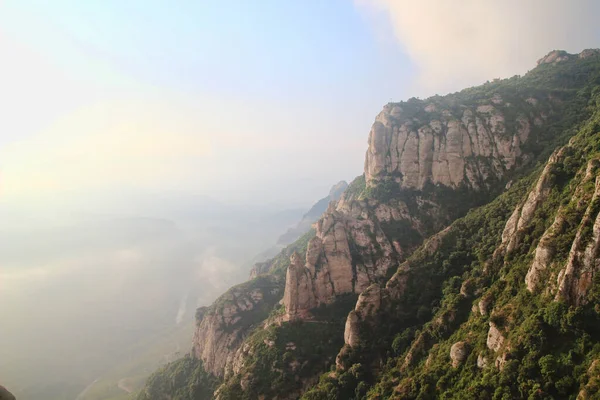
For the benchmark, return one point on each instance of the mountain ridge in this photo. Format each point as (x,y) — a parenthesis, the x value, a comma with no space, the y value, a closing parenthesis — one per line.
(374,323)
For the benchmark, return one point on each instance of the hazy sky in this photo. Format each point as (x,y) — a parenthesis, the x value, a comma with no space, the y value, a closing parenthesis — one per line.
(245,101)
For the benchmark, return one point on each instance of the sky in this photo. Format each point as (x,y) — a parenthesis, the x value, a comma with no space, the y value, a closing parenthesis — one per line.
(244,102)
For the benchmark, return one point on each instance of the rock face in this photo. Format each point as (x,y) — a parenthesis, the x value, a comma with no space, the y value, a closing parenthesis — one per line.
(299,294)
(471,141)
(259,269)
(589,390)
(576,278)
(368,304)
(544,254)
(555,56)
(484,304)
(482,361)
(375,300)
(494,338)
(349,252)
(313,214)
(523,214)
(351,332)
(459,353)
(463,146)
(221,328)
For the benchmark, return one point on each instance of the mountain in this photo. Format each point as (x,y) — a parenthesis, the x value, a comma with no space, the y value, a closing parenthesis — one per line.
(305,224)
(312,215)
(462,264)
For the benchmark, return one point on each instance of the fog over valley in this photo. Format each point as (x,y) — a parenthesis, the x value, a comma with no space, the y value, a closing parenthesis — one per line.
(79,291)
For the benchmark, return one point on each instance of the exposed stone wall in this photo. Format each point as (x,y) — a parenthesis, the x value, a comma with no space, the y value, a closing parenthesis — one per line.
(222,327)
(450,148)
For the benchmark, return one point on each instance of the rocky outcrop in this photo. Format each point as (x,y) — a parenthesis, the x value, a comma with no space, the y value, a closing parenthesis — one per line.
(375,299)
(464,145)
(591,389)
(351,331)
(299,294)
(544,253)
(259,268)
(555,56)
(221,328)
(482,361)
(523,214)
(349,252)
(484,304)
(575,276)
(575,279)
(495,339)
(367,306)
(459,353)
(500,361)
(312,215)
(589,53)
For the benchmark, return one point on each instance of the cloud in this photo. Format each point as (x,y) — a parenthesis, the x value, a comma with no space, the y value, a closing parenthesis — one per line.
(456,44)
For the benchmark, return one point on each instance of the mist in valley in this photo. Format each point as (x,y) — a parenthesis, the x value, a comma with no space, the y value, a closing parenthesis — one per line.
(82,293)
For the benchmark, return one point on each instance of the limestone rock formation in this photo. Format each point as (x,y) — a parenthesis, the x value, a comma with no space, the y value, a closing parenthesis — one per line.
(555,56)
(351,332)
(376,299)
(484,304)
(348,253)
(299,294)
(482,361)
(465,145)
(368,304)
(459,353)
(575,279)
(313,214)
(575,276)
(259,268)
(590,389)
(544,253)
(523,214)
(221,328)
(501,361)
(495,340)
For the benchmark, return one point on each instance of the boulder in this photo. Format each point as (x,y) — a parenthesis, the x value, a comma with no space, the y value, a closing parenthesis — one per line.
(459,353)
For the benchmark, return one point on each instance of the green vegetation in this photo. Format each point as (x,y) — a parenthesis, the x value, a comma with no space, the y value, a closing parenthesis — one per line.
(549,345)
(284,357)
(184,379)
(278,264)
(356,187)
(550,350)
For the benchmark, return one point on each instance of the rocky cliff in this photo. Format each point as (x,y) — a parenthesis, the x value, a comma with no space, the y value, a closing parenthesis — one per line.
(294,233)
(425,142)
(507,293)
(409,297)
(222,327)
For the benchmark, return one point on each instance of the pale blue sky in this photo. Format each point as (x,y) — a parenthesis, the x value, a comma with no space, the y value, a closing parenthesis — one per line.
(242,100)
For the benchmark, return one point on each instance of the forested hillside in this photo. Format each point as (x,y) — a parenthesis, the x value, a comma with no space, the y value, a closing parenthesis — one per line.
(463,264)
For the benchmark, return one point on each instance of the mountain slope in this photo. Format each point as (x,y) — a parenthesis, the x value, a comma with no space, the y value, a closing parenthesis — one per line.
(397,255)
(303,226)
(514,311)
(313,214)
